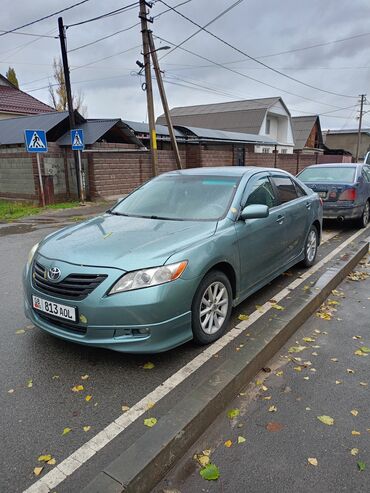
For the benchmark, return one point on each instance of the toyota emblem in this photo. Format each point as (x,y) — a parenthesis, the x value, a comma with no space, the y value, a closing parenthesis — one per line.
(54,273)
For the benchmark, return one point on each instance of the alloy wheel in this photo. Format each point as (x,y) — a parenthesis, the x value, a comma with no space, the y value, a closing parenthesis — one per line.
(311,245)
(213,307)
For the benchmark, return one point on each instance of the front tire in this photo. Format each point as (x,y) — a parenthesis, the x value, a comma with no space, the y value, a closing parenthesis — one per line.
(211,308)
(364,219)
(310,247)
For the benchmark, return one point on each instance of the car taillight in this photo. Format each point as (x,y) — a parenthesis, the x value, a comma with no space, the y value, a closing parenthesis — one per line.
(349,194)
(321,201)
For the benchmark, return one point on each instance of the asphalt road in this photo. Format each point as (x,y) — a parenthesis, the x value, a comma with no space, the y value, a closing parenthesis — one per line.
(38,371)
(329,377)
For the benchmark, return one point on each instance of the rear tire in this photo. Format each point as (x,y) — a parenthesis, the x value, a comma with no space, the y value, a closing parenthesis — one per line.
(211,308)
(310,247)
(363,221)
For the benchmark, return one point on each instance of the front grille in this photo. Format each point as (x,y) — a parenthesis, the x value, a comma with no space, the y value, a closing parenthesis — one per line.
(63,324)
(73,287)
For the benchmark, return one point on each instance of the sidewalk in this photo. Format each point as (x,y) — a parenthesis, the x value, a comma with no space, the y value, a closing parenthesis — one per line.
(283,446)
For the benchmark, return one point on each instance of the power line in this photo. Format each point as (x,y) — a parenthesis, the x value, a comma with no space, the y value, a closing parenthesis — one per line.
(122,30)
(245,75)
(28,34)
(255,59)
(228,9)
(43,18)
(103,16)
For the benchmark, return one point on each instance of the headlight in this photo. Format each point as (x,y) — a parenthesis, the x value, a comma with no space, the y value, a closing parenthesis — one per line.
(32,254)
(149,277)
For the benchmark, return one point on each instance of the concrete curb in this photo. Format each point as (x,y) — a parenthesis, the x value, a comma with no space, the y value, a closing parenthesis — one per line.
(139,468)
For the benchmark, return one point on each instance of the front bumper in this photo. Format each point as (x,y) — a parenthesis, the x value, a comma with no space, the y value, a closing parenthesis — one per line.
(148,320)
(339,211)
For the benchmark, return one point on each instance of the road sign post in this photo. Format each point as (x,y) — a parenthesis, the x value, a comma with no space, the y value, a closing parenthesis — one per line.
(77,141)
(36,143)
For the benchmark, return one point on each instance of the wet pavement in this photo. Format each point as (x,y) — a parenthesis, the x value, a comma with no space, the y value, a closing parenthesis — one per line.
(277,443)
(39,371)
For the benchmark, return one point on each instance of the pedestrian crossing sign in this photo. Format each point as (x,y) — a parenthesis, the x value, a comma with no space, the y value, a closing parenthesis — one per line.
(36,141)
(77,140)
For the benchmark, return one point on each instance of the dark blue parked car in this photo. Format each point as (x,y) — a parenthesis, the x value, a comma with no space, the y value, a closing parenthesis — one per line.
(343,188)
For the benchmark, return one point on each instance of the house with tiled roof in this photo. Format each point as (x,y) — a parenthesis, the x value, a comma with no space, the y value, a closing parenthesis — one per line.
(14,102)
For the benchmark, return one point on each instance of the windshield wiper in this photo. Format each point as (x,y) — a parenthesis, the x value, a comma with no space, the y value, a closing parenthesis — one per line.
(114,213)
(163,218)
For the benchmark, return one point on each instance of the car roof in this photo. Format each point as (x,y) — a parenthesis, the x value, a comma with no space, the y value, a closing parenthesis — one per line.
(336,165)
(224,171)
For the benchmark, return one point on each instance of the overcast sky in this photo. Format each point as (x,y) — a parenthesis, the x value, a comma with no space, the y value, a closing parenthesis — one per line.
(258,27)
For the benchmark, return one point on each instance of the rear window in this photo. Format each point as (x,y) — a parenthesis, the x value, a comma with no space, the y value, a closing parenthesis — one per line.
(333,174)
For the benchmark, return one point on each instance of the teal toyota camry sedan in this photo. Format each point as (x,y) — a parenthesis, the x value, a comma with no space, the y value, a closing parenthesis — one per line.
(168,263)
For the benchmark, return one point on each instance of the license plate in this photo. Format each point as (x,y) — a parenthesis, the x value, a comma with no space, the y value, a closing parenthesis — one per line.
(322,194)
(55,309)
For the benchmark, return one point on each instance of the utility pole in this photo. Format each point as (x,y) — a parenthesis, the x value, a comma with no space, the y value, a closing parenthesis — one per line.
(149,87)
(67,82)
(363,97)
(162,93)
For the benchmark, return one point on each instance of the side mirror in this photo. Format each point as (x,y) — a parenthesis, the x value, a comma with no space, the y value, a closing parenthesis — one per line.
(254,211)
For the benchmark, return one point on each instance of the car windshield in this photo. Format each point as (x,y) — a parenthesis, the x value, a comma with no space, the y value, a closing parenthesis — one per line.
(337,174)
(181,197)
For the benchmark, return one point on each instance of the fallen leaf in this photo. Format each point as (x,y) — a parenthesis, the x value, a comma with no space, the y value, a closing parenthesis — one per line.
(84,377)
(337,382)
(10,391)
(308,409)
(297,368)
(150,422)
(264,388)
(87,428)
(356,337)
(207,452)
(29,383)
(354,412)
(241,439)
(228,443)
(360,353)
(66,431)
(202,459)
(88,398)
(77,388)
(296,349)
(334,359)
(364,384)
(150,405)
(243,317)
(55,377)
(279,373)
(277,307)
(44,458)
(272,409)
(312,461)
(358,276)
(350,371)
(306,378)
(365,349)
(314,354)
(335,292)
(308,339)
(273,426)
(37,471)
(333,302)
(327,420)
(148,366)
(210,472)
(233,413)
(125,408)
(354,451)
(20,331)
(259,308)
(361,465)
(51,462)
(355,433)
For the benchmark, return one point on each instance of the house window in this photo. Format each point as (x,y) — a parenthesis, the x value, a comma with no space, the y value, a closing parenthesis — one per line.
(265,150)
(268,123)
(284,151)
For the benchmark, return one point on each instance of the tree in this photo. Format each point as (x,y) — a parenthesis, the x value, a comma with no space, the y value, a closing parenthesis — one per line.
(58,93)
(11,76)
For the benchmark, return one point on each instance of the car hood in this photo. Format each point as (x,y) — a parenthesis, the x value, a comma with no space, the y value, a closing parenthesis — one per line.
(126,243)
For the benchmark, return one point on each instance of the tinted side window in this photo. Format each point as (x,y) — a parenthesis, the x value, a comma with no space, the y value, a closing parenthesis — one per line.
(366,173)
(299,189)
(286,188)
(262,193)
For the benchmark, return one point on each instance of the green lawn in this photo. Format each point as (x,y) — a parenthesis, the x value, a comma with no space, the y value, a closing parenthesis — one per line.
(10,210)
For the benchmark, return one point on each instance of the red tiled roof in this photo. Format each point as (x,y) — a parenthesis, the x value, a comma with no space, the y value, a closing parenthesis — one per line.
(13,100)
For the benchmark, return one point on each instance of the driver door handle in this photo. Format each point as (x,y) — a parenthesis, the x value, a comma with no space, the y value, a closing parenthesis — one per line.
(280,219)
(308,205)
